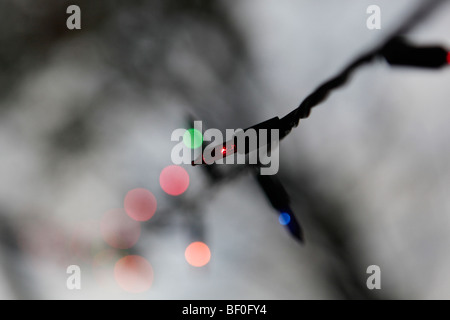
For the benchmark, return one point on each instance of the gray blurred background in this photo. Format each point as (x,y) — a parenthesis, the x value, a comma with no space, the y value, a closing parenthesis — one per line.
(86,115)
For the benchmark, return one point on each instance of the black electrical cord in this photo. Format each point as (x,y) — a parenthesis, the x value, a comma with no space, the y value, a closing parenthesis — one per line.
(291,120)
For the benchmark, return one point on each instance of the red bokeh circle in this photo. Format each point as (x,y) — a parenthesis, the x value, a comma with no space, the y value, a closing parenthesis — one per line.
(133,273)
(140,204)
(174,180)
(197,254)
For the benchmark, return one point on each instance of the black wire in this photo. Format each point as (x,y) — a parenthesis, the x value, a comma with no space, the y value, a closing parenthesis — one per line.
(291,120)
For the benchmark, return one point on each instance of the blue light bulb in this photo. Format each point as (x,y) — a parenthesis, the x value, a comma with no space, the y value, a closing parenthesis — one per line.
(284,218)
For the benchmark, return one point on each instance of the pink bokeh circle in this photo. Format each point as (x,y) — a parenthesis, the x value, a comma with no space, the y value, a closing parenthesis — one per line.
(140,204)
(174,180)
(197,254)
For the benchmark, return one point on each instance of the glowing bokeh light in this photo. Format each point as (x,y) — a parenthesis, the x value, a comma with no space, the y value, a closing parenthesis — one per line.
(174,180)
(197,254)
(193,138)
(119,230)
(284,218)
(140,204)
(133,273)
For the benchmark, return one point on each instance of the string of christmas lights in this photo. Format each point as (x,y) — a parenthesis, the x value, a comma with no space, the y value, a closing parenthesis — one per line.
(395,50)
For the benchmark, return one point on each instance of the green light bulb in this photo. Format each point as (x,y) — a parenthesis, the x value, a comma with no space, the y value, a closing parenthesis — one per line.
(193,138)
